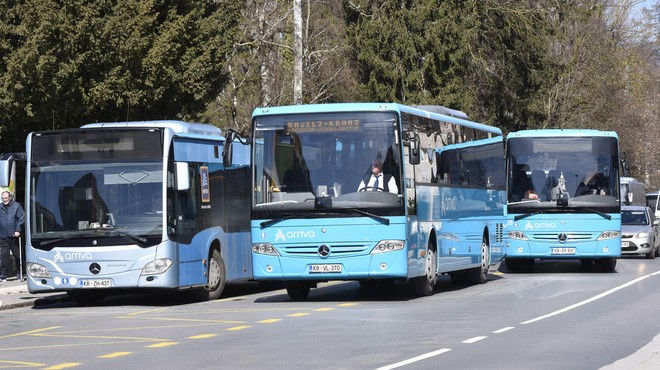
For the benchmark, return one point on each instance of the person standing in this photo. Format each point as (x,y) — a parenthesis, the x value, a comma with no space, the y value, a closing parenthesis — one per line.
(12,218)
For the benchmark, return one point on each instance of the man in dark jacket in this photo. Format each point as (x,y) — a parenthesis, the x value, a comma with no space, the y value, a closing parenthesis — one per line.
(12,218)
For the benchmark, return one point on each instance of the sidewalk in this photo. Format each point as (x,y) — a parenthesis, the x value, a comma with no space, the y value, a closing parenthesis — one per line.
(14,294)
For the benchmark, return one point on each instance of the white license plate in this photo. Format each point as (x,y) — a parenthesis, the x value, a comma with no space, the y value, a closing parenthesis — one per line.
(96,283)
(333,268)
(625,244)
(563,250)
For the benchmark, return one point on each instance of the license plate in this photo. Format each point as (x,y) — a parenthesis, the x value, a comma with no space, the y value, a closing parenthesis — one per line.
(96,283)
(332,268)
(625,244)
(563,250)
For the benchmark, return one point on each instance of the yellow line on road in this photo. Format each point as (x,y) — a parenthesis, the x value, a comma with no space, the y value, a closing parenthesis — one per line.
(19,364)
(347,304)
(65,365)
(184,320)
(115,354)
(146,311)
(64,335)
(268,321)
(29,332)
(298,314)
(161,345)
(203,336)
(239,328)
(324,309)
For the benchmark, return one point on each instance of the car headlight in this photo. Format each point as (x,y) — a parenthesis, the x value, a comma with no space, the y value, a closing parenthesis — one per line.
(643,234)
(264,248)
(38,271)
(518,235)
(158,266)
(609,235)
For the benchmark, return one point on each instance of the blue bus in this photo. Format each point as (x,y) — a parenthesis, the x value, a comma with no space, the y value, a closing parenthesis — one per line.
(114,207)
(319,215)
(563,197)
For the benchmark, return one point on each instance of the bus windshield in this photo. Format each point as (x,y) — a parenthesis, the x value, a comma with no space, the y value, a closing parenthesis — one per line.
(322,163)
(578,174)
(109,199)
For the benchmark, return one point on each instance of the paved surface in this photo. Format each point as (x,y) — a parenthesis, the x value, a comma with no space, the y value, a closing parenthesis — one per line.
(14,293)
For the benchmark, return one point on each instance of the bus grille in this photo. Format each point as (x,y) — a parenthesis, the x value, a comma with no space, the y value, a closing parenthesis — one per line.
(499,232)
(335,250)
(571,237)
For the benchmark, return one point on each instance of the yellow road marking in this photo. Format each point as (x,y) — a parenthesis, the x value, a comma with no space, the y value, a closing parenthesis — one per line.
(29,332)
(161,345)
(115,354)
(239,328)
(298,314)
(203,336)
(146,311)
(64,335)
(20,364)
(324,309)
(347,304)
(65,365)
(268,321)
(183,320)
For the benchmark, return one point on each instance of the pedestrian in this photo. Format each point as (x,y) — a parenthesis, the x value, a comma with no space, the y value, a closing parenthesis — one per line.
(12,218)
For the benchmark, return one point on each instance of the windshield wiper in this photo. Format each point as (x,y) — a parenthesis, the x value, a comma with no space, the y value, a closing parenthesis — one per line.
(376,217)
(275,220)
(53,241)
(140,240)
(599,213)
(525,215)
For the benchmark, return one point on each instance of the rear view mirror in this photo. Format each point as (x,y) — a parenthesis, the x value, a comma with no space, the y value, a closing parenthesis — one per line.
(182,176)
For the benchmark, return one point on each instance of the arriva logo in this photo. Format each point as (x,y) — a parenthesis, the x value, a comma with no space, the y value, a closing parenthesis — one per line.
(298,234)
(59,257)
(540,225)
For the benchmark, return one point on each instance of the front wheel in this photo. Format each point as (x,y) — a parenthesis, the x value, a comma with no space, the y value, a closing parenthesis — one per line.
(298,290)
(607,264)
(479,275)
(424,285)
(217,277)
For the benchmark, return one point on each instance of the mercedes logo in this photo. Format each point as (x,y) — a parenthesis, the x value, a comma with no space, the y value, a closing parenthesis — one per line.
(95,268)
(562,237)
(324,250)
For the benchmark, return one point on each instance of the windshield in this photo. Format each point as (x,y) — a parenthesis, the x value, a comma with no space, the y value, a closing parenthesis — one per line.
(329,162)
(637,218)
(563,173)
(71,200)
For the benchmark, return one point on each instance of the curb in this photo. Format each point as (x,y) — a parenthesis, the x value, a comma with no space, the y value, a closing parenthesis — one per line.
(42,301)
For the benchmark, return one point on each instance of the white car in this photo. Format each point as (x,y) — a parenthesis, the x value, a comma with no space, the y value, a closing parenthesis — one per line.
(639,231)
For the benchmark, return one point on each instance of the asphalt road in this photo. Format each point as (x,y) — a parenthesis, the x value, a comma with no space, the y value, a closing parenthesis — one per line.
(559,316)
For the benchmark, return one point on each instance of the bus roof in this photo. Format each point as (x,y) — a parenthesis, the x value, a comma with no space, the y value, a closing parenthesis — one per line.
(448,115)
(178,127)
(562,133)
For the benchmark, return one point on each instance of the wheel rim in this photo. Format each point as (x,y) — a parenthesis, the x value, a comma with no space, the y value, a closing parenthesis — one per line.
(214,274)
(485,257)
(430,265)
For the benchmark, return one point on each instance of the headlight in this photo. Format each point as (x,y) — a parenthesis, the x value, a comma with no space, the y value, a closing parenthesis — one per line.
(519,235)
(385,246)
(609,235)
(643,234)
(264,248)
(157,267)
(37,270)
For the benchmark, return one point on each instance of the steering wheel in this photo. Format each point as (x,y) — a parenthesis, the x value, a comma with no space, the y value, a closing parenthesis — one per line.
(370,188)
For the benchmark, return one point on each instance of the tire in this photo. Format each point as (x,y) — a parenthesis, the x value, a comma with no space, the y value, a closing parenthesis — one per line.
(650,255)
(217,278)
(607,264)
(657,252)
(85,297)
(423,286)
(479,275)
(298,290)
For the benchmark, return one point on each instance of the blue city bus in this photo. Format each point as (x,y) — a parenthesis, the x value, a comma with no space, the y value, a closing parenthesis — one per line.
(116,207)
(314,218)
(563,197)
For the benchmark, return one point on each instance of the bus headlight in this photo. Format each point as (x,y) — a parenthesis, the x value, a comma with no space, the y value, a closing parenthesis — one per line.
(518,235)
(38,271)
(264,248)
(158,266)
(609,235)
(385,246)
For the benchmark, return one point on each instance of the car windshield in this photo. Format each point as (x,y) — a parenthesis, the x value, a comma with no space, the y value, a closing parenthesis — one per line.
(311,162)
(634,218)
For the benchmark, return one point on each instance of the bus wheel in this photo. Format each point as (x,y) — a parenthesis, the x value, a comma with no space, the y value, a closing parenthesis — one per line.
(85,298)
(216,279)
(424,285)
(607,264)
(297,290)
(479,275)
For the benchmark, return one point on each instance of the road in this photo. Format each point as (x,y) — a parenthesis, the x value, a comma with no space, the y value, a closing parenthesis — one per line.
(560,316)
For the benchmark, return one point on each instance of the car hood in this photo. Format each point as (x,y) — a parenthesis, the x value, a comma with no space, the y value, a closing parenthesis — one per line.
(634,229)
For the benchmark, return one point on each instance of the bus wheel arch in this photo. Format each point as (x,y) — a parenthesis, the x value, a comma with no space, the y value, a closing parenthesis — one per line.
(425,284)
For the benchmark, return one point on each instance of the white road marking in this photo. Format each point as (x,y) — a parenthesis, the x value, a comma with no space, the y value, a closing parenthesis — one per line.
(415,359)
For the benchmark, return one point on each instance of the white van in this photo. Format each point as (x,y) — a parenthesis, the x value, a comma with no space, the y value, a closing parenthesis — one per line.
(633,192)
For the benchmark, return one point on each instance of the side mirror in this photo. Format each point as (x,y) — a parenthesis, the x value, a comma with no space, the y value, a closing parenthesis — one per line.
(182,176)
(413,151)
(6,166)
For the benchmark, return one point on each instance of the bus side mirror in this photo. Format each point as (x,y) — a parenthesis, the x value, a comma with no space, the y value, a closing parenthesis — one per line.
(227,154)
(413,151)
(182,176)
(5,171)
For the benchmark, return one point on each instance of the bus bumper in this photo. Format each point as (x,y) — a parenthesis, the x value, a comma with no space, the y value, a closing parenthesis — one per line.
(595,249)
